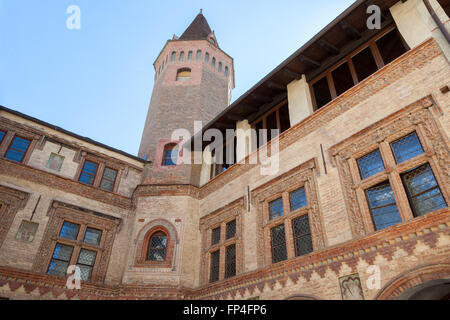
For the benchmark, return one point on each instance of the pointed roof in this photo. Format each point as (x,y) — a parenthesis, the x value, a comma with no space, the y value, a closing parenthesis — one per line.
(198,30)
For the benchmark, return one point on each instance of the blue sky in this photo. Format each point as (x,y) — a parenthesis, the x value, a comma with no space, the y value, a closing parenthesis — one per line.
(97,81)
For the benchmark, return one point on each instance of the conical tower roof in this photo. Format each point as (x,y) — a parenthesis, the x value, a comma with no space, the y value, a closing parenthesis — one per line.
(199,29)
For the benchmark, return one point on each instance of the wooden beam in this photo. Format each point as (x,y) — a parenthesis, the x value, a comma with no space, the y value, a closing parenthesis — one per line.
(350,30)
(235,117)
(292,74)
(261,98)
(248,108)
(328,47)
(276,86)
(308,61)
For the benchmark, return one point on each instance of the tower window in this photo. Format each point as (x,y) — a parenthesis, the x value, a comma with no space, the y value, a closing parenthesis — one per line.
(207,57)
(227,72)
(181,56)
(183,74)
(173,56)
(213,63)
(199,55)
(170,155)
(190,56)
(220,67)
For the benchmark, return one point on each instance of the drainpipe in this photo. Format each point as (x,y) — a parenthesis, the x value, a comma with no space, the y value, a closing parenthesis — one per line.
(437,20)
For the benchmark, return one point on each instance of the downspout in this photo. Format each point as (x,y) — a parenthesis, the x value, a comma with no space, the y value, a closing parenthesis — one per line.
(437,20)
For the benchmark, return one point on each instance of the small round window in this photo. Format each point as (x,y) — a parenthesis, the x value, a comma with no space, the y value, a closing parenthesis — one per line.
(183,74)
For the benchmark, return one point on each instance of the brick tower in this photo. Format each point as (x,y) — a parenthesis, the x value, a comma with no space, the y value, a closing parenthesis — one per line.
(193,82)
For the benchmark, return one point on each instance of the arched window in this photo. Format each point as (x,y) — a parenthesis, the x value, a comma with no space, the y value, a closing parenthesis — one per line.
(183,74)
(199,55)
(181,56)
(157,247)
(207,57)
(213,63)
(167,59)
(173,57)
(220,67)
(227,72)
(190,56)
(170,157)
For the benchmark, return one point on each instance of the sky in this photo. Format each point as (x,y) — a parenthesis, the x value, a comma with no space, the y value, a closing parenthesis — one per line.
(97,81)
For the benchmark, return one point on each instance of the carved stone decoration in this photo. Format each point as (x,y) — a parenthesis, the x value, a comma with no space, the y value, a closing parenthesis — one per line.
(417,117)
(305,176)
(60,212)
(351,288)
(11,201)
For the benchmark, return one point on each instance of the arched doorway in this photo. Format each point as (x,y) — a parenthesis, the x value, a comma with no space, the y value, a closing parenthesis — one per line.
(431,282)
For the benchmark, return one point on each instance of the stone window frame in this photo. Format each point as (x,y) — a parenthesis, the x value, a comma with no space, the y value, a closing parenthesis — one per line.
(11,201)
(61,212)
(142,244)
(102,165)
(420,117)
(281,187)
(220,218)
(14,130)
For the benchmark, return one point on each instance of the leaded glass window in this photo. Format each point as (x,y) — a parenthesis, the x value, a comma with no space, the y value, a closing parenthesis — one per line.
(108,179)
(157,247)
(302,236)
(60,260)
(86,261)
(215,267)
(407,148)
(231,229)
(383,207)
(370,165)
(17,149)
(278,237)
(276,209)
(423,191)
(215,236)
(298,199)
(92,236)
(69,231)
(88,173)
(230,261)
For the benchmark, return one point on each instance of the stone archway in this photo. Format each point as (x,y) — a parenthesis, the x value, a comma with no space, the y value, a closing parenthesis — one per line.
(421,283)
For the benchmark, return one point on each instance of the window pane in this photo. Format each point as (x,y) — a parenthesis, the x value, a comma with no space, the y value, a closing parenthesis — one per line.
(382,204)
(298,199)
(17,149)
(220,67)
(108,180)
(2,135)
(365,64)
(199,55)
(276,209)
(207,57)
(343,79)
(371,164)
(391,46)
(423,190)
(60,260)
(87,257)
(88,173)
(407,148)
(227,72)
(181,56)
(86,272)
(215,264)
(69,231)
(279,251)
(215,236)
(190,56)
(230,262)
(173,56)
(302,236)
(231,229)
(92,236)
(322,92)
(157,248)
